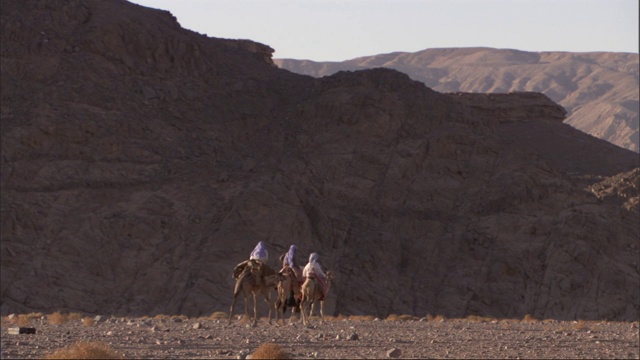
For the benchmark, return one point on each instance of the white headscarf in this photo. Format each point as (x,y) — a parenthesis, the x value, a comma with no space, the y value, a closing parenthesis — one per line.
(313,267)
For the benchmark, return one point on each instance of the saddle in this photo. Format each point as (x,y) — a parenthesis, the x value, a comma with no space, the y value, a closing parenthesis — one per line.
(289,272)
(247,264)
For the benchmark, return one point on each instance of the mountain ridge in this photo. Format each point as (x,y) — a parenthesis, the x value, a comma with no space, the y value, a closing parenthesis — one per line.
(598,89)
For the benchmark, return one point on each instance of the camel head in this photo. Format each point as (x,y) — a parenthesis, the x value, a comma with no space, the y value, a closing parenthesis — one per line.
(254,268)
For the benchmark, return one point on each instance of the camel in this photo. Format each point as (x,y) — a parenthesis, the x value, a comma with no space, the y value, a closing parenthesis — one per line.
(287,284)
(311,293)
(256,278)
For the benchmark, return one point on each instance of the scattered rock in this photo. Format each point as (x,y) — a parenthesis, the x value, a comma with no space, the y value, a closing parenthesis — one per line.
(21,330)
(394,353)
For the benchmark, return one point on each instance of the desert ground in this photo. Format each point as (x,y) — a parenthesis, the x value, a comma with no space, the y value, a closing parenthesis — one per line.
(165,337)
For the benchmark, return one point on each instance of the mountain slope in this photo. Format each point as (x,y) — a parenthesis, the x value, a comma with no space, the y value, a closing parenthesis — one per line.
(141,162)
(600,90)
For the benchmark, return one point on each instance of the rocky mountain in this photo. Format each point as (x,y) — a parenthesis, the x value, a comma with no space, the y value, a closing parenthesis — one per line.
(141,161)
(599,90)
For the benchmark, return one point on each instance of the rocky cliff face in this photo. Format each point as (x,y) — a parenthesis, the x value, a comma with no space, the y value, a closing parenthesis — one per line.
(512,107)
(599,90)
(141,162)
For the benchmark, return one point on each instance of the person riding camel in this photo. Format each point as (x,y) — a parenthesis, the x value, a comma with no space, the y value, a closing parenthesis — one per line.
(289,261)
(314,270)
(259,254)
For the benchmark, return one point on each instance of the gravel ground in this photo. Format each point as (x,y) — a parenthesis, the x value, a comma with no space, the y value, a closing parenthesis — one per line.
(175,337)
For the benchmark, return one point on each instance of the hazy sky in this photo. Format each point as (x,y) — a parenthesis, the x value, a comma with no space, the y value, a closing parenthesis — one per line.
(334,30)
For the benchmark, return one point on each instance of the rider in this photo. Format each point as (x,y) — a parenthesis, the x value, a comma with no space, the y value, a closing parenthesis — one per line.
(259,253)
(314,270)
(289,259)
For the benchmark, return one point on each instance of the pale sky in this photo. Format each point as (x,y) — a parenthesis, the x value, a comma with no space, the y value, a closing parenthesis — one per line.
(336,30)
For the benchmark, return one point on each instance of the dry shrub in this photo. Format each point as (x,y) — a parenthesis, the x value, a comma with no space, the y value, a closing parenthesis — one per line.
(478,318)
(579,325)
(392,317)
(22,319)
(218,315)
(336,318)
(161,317)
(429,317)
(361,318)
(75,316)
(87,321)
(58,318)
(439,318)
(529,318)
(405,317)
(269,351)
(85,350)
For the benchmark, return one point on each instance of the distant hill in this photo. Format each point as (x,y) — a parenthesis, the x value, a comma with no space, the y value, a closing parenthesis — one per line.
(599,90)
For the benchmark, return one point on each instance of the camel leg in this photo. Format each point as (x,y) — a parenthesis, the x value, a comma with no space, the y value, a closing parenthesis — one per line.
(313,303)
(298,310)
(293,311)
(267,299)
(255,310)
(231,310)
(246,306)
(309,312)
(322,311)
(277,309)
(303,304)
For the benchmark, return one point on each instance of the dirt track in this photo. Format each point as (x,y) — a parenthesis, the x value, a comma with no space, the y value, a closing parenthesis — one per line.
(171,338)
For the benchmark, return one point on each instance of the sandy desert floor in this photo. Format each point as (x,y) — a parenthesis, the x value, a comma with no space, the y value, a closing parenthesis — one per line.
(352,338)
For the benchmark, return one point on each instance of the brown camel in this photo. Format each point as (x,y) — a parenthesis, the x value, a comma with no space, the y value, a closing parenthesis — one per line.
(256,278)
(288,293)
(312,293)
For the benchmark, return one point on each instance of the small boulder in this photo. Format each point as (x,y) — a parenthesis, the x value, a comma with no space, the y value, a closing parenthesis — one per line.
(394,353)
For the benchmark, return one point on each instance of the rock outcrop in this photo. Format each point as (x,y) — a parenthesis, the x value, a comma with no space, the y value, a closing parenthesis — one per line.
(621,189)
(141,162)
(511,107)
